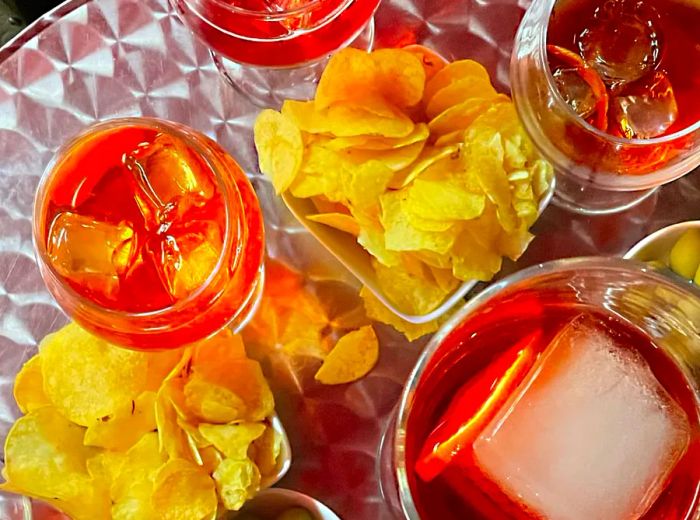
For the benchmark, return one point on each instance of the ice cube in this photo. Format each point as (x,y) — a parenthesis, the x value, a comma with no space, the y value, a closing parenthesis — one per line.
(89,252)
(591,434)
(645,109)
(575,91)
(623,43)
(169,179)
(186,256)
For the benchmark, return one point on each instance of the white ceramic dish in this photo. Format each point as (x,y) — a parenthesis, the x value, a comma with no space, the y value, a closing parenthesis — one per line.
(658,245)
(346,249)
(272,502)
(285,458)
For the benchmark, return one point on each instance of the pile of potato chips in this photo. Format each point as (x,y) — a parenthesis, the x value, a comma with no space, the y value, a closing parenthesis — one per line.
(114,433)
(323,321)
(423,161)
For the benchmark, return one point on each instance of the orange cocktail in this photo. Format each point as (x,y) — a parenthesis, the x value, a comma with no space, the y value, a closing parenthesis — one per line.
(149,234)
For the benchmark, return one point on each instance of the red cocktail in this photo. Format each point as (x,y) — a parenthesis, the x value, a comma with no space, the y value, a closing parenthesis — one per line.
(149,234)
(548,398)
(276,33)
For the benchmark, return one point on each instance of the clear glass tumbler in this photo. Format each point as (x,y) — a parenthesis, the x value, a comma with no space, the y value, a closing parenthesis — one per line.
(597,173)
(667,312)
(271,50)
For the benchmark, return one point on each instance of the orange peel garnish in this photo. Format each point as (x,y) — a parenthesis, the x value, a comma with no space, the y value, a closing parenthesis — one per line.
(591,77)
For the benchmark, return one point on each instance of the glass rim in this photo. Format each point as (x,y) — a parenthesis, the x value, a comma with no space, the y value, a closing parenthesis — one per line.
(271,16)
(405,405)
(551,85)
(39,242)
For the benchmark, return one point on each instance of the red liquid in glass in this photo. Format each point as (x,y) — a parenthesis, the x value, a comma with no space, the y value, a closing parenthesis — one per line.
(649,45)
(239,31)
(471,350)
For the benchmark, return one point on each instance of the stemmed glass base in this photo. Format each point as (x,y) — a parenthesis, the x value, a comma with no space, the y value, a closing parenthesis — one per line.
(267,87)
(588,200)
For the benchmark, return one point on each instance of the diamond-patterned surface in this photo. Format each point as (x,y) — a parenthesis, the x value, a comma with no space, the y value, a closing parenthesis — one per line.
(94,60)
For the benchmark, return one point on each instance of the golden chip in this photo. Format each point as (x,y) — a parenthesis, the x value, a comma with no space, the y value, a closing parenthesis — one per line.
(346,77)
(459,117)
(428,157)
(173,440)
(126,426)
(420,133)
(413,293)
(233,440)
(266,450)
(280,148)
(432,62)
(184,491)
(236,481)
(454,71)
(45,457)
(400,77)
(443,201)
(87,378)
(340,221)
(140,464)
(373,117)
(353,357)
(457,92)
(29,387)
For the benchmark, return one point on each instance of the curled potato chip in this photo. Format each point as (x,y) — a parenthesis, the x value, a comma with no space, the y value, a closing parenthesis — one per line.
(352,358)
(172,439)
(265,451)
(236,481)
(233,440)
(454,71)
(420,133)
(429,156)
(459,117)
(432,62)
(377,311)
(340,221)
(87,378)
(410,291)
(140,463)
(374,117)
(443,201)
(457,92)
(183,491)
(322,175)
(345,78)
(394,159)
(280,148)
(400,76)
(45,457)
(126,426)
(29,387)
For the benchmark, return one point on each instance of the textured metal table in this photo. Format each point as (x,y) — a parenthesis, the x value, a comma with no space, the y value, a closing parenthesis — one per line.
(89,61)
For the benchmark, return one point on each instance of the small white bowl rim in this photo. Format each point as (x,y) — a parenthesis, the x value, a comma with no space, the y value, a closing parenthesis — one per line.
(298,499)
(657,236)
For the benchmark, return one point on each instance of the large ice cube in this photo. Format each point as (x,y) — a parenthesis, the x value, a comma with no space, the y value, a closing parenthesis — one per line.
(591,434)
(186,256)
(169,179)
(90,252)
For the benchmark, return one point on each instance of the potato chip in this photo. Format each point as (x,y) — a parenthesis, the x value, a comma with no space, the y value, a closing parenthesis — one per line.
(45,457)
(221,393)
(29,387)
(459,117)
(183,491)
(432,62)
(280,148)
(443,201)
(364,186)
(126,426)
(378,311)
(173,440)
(340,221)
(420,133)
(236,481)
(456,137)
(265,451)
(400,235)
(428,157)
(211,458)
(412,293)
(372,238)
(394,159)
(353,357)
(161,365)
(400,76)
(372,117)
(140,464)
(322,174)
(455,71)
(87,378)
(346,77)
(457,92)
(233,440)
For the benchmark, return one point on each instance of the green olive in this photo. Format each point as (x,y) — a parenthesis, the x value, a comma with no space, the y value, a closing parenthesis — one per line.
(685,255)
